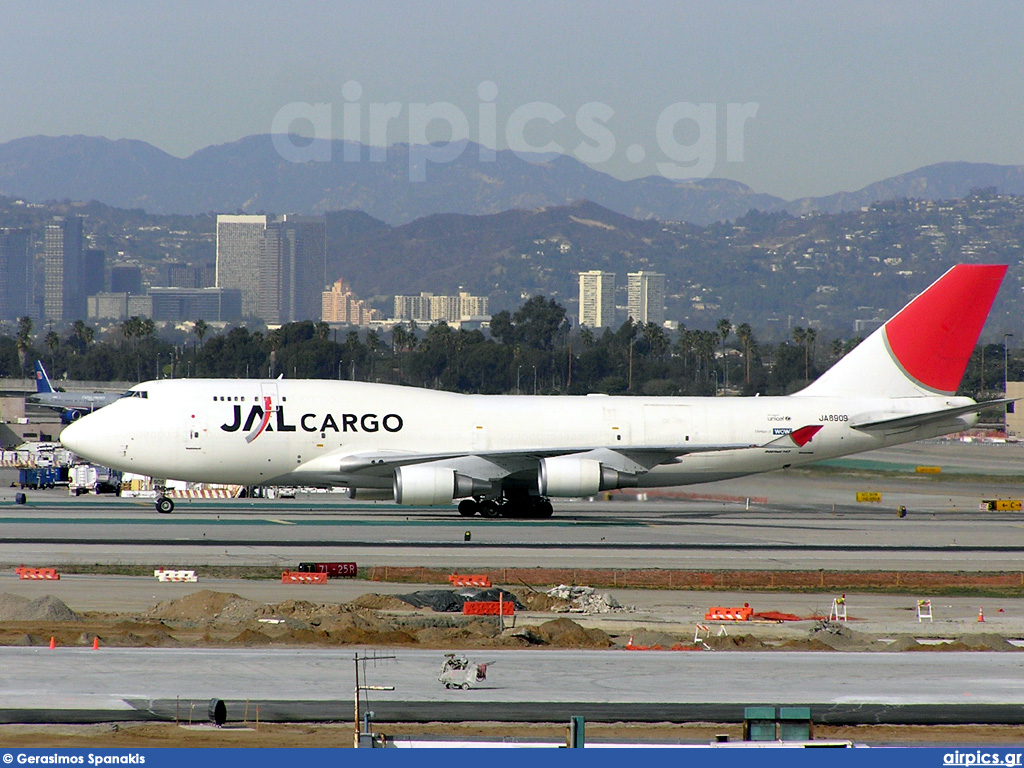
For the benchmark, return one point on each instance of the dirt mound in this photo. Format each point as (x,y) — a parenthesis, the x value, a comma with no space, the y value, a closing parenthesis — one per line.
(379,603)
(805,645)
(986,641)
(46,608)
(207,605)
(903,643)
(736,643)
(251,637)
(649,638)
(840,637)
(541,601)
(565,633)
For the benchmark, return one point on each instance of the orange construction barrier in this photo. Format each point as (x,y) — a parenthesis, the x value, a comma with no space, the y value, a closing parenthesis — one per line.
(488,608)
(299,577)
(50,574)
(470,580)
(729,614)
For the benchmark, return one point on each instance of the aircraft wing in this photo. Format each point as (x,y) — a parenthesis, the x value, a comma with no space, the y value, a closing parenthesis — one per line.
(644,458)
(870,424)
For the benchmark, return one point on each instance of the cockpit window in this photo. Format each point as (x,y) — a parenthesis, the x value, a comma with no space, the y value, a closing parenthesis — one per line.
(136,393)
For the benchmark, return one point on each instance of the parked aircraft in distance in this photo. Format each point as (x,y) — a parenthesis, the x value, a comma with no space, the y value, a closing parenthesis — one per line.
(509,455)
(72,405)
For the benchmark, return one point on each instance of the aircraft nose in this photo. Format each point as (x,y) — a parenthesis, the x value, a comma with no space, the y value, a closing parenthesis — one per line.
(90,437)
(74,437)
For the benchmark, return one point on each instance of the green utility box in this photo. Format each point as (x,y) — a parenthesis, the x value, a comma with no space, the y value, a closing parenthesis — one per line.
(759,723)
(795,723)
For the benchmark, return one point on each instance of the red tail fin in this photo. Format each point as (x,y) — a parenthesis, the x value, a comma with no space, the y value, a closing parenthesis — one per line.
(933,336)
(924,349)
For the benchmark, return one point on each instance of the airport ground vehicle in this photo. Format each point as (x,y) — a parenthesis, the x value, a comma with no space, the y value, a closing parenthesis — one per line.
(460,672)
(40,477)
(93,478)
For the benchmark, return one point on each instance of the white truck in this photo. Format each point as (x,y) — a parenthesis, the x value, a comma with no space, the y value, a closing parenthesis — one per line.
(92,478)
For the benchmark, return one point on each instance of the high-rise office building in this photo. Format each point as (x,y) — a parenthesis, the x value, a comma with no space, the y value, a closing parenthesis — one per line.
(597,298)
(94,277)
(292,266)
(16,282)
(645,297)
(239,241)
(187,276)
(63,298)
(126,279)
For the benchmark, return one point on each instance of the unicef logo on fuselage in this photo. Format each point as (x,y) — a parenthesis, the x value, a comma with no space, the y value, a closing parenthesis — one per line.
(312,422)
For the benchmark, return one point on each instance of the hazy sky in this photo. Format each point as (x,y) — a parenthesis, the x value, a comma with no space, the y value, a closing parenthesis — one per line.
(791,98)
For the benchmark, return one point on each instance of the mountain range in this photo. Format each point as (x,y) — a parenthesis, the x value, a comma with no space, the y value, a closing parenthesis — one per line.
(250,175)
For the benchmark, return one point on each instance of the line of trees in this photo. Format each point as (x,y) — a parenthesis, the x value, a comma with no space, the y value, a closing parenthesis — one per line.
(531,350)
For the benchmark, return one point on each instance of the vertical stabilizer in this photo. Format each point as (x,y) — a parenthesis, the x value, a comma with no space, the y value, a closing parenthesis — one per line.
(42,380)
(924,349)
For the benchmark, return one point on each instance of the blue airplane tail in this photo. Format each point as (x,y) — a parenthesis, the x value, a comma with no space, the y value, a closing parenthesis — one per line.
(42,380)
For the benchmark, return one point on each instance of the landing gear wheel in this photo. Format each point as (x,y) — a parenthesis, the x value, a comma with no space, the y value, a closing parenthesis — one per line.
(544,509)
(449,686)
(489,509)
(468,507)
(465,686)
(164,505)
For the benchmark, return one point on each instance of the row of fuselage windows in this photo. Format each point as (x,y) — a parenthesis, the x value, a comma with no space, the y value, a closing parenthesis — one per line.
(237,399)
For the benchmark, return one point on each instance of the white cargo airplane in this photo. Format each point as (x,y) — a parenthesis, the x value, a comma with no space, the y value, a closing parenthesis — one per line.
(508,455)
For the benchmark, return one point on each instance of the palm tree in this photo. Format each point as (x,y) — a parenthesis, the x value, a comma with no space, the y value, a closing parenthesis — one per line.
(800,339)
(199,329)
(724,328)
(52,341)
(745,334)
(810,335)
(24,339)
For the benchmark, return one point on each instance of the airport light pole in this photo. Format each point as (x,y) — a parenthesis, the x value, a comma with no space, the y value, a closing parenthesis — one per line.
(1008,407)
(1005,366)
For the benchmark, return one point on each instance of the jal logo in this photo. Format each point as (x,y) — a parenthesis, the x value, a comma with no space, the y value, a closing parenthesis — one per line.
(270,418)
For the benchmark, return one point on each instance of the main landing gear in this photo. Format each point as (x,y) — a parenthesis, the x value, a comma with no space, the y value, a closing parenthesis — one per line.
(524,506)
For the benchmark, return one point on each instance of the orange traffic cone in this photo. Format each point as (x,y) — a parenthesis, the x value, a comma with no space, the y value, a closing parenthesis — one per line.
(95,643)
(981,614)
(53,643)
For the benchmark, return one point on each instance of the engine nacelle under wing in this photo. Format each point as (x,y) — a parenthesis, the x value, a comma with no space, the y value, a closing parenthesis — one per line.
(575,476)
(417,484)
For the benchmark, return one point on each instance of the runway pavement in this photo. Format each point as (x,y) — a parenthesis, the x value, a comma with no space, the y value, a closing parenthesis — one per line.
(79,685)
(794,527)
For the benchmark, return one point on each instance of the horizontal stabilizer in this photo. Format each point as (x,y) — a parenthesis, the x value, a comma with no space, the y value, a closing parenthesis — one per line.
(920,419)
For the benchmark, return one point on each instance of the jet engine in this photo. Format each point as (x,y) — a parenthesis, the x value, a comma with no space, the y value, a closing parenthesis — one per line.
(428,486)
(573,476)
